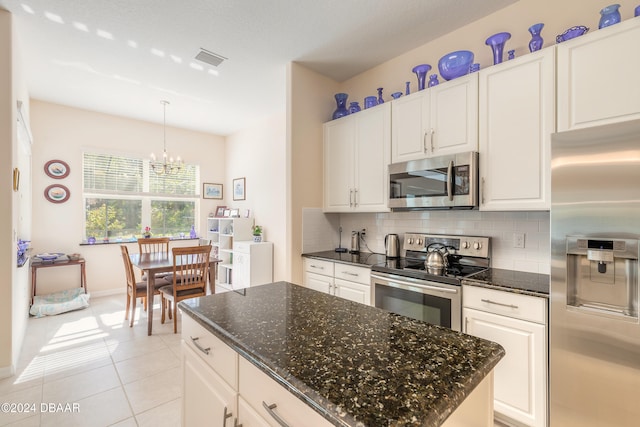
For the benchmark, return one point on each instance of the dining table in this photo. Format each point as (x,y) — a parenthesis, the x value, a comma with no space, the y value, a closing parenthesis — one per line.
(161,262)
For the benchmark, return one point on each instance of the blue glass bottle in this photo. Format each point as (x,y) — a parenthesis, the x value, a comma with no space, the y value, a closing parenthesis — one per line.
(354,107)
(536,41)
(192,233)
(609,15)
(380,99)
(341,102)
(433,80)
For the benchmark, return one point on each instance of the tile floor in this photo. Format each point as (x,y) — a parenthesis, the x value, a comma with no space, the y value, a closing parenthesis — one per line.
(108,373)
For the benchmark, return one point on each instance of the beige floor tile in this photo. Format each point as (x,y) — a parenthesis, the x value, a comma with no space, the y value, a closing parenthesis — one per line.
(27,404)
(33,421)
(79,386)
(155,390)
(64,360)
(166,415)
(140,367)
(129,422)
(134,348)
(101,409)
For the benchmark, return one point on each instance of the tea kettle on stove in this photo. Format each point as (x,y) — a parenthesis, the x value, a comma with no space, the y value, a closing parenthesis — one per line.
(392,246)
(437,258)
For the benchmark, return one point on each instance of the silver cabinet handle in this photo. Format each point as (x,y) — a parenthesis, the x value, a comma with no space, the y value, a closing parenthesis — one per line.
(317,266)
(424,143)
(432,131)
(270,410)
(482,190)
(355,197)
(199,347)
(351,197)
(488,301)
(450,181)
(235,423)
(226,415)
(350,274)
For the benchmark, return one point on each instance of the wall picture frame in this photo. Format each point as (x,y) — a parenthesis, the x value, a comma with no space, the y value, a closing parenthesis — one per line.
(239,190)
(220,211)
(212,191)
(56,169)
(56,193)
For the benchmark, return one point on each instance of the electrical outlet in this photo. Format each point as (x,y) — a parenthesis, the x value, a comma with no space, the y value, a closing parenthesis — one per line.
(518,240)
(363,232)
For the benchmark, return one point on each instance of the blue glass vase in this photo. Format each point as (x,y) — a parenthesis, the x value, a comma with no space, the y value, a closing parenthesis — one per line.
(192,233)
(609,15)
(536,41)
(636,11)
(370,101)
(396,95)
(433,80)
(407,91)
(380,99)
(421,72)
(496,43)
(341,101)
(354,107)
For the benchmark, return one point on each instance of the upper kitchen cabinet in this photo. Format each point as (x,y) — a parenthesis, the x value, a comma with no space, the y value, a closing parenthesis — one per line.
(517,118)
(439,120)
(356,155)
(598,77)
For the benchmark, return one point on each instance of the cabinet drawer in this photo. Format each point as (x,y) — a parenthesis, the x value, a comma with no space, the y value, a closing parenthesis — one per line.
(220,357)
(353,274)
(519,306)
(259,390)
(318,266)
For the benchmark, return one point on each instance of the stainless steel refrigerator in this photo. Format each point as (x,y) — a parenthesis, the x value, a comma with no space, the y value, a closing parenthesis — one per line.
(594,324)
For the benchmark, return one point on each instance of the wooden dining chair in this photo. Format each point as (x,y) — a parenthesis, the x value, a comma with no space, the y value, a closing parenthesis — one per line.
(190,273)
(153,245)
(135,289)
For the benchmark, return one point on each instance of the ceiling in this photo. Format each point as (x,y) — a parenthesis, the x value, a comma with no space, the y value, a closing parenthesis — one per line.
(123,57)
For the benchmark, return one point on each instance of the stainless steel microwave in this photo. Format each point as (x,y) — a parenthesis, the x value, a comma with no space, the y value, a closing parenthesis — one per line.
(443,182)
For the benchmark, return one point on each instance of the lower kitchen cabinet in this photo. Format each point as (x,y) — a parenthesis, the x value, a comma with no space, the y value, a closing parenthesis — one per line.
(519,324)
(343,280)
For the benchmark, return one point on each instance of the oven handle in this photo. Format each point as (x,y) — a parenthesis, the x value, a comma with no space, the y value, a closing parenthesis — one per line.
(420,285)
(450,181)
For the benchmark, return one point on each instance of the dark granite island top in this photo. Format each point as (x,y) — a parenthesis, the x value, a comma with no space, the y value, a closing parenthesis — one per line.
(354,364)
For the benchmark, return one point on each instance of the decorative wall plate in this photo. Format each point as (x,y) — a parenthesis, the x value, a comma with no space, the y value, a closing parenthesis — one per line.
(56,169)
(56,193)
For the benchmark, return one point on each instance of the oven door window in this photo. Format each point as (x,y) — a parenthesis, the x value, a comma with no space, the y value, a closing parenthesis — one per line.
(429,183)
(428,308)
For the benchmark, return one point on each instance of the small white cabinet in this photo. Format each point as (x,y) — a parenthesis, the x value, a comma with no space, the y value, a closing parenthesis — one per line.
(439,120)
(343,280)
(252,263)
(517,100)
(519,324)
(598,77)
(356,154)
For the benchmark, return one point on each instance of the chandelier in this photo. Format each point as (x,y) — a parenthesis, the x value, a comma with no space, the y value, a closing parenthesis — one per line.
(167,165)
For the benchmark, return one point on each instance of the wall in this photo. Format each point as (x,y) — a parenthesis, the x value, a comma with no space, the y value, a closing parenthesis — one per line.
(63,133)
(258,155)
(392,76)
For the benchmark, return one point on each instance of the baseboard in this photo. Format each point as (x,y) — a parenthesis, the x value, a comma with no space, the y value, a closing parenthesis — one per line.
(109,292)
(7,371)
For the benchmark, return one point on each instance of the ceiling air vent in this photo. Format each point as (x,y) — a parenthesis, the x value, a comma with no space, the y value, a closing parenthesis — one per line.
(209,57)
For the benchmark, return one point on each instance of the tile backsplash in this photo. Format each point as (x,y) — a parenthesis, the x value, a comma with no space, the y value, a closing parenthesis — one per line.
(500,226)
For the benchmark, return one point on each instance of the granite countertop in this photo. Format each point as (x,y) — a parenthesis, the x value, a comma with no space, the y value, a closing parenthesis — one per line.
(362,259)
(520,282)
(354,364)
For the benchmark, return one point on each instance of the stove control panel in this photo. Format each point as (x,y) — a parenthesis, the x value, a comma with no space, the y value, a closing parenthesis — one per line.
(475,246)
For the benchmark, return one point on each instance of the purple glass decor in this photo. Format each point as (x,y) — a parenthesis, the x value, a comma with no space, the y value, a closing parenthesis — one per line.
(354,107)
(636,11)
(396,95)
(370,101)
(406,90)
(455,64)
(433,80)
(341,101)
(609,15)
(380,99)
(496,42)
(421,72)
(536,40)
(571,33)
(512,54)
(474,67)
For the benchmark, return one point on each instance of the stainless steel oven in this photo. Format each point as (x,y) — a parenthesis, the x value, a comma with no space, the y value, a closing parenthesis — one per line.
(410,287)
(432,302)
(443,182)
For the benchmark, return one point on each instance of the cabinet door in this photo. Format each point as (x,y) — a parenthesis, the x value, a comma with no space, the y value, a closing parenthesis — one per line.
(353,291)
(207,399)
(410,120)
(339,152)
(516,122)
(454,116)
(318,282)
(520,388)
(241,270)
(248,417)
(373,153)
(598,77)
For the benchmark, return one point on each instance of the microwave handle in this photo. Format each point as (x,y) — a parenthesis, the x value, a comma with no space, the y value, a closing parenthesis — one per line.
(450,181)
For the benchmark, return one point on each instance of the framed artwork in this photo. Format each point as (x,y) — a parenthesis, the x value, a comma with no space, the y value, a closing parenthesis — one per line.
(235,213)
(56,193)
(227,213)
(220,211)
(247,213)
(211,191)
(239,189)
(56,169)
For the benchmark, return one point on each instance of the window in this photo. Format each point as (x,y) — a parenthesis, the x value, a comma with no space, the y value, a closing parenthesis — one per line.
(122,195)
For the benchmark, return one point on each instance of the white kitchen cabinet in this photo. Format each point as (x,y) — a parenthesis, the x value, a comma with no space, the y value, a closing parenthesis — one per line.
(436,121)
(343,280)
(252,263)
(356,155)
(517,118)
(598,77)
(519,324)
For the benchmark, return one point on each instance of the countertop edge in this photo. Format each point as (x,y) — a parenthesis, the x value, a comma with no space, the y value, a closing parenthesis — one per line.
(480,284)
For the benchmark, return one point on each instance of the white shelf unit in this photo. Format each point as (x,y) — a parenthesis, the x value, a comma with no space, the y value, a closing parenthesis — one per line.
(222,232)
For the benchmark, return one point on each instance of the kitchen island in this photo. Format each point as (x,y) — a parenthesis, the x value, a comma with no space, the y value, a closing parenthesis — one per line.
(351,364)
